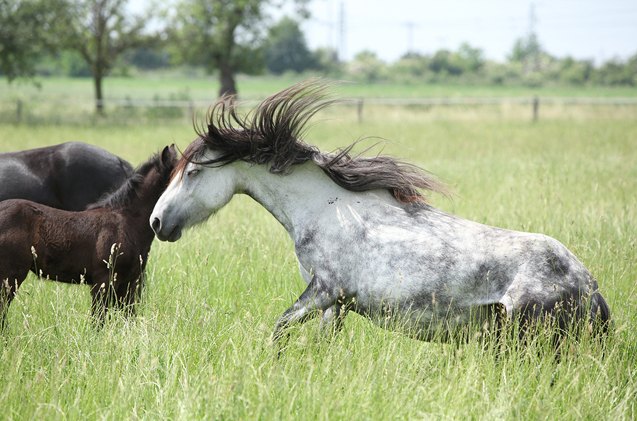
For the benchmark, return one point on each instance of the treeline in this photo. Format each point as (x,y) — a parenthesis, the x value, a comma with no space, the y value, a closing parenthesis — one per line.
(468,65)
(285,50)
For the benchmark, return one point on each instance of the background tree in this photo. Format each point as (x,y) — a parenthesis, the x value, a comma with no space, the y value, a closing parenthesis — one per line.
(101,31)
(327,62)
(286,49)
(471,58)
(27,30)
(412,67)
(367,67)
(444,63)
(527,50)
(222,35)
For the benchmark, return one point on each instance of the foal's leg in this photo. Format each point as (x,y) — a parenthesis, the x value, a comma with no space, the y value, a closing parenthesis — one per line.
(316,297)
(128,295)
(8,290)
(102,296)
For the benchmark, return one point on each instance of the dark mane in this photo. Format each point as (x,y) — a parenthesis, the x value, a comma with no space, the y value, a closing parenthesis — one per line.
(271,135)
(128,190)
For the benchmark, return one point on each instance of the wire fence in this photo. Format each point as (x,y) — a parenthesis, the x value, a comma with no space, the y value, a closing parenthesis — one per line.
(21,111)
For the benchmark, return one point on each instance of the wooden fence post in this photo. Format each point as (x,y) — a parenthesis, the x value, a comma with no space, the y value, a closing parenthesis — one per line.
(536,108)
(18,111)
(359,109)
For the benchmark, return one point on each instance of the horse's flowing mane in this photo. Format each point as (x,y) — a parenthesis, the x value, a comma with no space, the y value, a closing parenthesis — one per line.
(125,194)
(271,134)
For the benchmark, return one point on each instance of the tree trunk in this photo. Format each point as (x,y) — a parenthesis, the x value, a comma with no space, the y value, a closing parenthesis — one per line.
(99,99)
(226,79)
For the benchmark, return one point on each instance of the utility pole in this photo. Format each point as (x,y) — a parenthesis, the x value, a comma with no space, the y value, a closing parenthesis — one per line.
(410,36)
(532,39)
(532,19)
(341,32)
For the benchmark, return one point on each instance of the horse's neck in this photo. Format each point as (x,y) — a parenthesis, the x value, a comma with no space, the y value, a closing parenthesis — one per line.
(144,200)
(293,199)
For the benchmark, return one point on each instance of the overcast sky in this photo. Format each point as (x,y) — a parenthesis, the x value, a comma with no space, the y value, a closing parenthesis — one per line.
(591,29)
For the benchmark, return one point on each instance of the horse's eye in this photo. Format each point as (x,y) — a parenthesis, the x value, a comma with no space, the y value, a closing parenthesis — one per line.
(192,173)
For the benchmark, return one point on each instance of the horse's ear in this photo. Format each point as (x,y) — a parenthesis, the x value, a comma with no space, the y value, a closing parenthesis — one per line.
(168,155)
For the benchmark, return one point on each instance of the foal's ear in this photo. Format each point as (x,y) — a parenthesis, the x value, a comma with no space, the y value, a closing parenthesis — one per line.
(169,155)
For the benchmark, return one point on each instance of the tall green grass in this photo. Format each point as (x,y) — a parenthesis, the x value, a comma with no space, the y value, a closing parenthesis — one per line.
(200,348)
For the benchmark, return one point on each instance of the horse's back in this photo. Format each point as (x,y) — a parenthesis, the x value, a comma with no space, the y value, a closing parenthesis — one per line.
(19,181)
(86,173)
(67,176)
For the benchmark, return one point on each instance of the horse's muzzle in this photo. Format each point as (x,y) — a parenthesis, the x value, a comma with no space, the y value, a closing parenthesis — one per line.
(164,234)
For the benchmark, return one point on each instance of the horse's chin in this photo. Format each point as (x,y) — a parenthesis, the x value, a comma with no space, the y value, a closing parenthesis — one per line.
(172,236)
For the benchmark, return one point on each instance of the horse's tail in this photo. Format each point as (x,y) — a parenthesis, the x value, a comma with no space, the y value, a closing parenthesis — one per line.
(600,314)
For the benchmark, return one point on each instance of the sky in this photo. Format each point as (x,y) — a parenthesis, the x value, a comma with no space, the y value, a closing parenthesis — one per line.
(585,29)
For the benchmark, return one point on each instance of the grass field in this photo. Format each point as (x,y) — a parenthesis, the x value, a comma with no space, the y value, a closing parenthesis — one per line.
(200,87)
(200,348)
(156,97)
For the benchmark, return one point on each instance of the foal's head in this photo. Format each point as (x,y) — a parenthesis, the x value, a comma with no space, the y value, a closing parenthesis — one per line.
(156,176)
(145,185)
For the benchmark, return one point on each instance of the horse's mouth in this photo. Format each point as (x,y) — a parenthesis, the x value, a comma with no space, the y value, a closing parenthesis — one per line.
(172,236)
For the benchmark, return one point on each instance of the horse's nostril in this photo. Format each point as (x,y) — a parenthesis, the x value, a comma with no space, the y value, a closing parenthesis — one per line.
(156,224)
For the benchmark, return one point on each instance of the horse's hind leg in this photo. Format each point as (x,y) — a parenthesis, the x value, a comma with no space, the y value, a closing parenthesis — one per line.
(316,297)
(8,290)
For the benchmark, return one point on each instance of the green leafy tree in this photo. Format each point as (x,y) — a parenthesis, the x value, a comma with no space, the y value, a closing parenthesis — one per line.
(222,35)
(367,67)
(444,62)
(528,51)
(327,62)
(471,59)
(574,72)
(616,73)
(286,48)
(27,31)
(411,67)
(101,31)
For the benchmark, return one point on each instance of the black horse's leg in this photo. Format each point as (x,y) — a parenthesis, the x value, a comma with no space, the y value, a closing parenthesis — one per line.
(8,290)
(316,297)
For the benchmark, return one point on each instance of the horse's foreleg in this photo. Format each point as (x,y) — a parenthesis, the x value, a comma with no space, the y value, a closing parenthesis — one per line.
(332,320)
(315,298)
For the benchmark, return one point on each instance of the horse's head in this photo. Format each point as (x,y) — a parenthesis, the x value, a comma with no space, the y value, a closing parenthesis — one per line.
(197,189)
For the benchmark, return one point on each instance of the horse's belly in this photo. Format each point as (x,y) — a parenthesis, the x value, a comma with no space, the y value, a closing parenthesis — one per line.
(431,323)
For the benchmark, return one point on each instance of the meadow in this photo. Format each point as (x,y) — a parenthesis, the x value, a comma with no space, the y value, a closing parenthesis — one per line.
(200,348)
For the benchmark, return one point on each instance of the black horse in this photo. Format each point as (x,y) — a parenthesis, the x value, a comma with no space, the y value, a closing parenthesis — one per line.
(67,176)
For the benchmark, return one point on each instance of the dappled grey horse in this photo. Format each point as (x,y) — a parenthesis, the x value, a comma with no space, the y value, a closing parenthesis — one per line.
(365,238)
